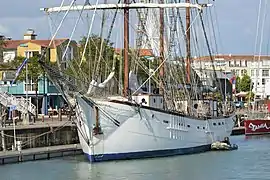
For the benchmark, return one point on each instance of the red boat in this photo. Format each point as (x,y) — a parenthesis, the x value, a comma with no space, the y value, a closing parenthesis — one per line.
(257,126)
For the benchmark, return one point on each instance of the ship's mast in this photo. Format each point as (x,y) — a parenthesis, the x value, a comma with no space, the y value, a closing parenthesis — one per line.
(126,47)
(188,53)
(126,6)
(161,41)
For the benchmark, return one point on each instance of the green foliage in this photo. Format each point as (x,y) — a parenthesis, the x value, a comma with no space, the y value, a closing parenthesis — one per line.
(238,84)
(89,65)
(217,96)
(245,83)
(250,96)
(2,45)
(143,73)
(93,48)
(34,69)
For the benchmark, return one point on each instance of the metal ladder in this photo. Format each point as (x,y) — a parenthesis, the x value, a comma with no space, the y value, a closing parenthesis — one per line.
(23,105)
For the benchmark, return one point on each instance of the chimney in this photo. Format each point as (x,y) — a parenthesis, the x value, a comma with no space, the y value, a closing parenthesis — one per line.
(29,35)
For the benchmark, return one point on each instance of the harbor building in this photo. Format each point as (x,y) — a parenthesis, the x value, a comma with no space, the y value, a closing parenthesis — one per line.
(28,47)
(257,67)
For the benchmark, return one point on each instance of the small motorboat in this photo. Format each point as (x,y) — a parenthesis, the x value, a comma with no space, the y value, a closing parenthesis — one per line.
(221,146)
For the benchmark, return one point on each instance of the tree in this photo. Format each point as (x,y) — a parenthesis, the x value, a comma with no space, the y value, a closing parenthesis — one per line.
(238,84)
(91,66)
(250,96)
(245,83)
(34,70)
(2,45)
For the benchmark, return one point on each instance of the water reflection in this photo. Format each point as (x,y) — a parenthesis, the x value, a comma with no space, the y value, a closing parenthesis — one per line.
(250,161)
(265,136)
(198,166)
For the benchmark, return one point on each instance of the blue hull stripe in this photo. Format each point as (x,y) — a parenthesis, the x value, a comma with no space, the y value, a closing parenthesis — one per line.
(148,154)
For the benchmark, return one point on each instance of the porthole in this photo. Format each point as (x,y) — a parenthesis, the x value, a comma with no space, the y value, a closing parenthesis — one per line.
(214,124)
(219,123)
(198,127)
(188,125)
(165,121)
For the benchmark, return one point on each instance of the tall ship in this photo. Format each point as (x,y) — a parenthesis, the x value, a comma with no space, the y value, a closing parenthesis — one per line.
(131,105)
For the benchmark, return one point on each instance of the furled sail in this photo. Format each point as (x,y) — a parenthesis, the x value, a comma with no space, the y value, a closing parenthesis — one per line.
(94,84)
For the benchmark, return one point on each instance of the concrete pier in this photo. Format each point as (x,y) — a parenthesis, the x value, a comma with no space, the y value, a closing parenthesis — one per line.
(33,154)
(49,132)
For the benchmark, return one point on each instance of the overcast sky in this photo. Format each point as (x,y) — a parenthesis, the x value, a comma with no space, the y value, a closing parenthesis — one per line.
(236,20)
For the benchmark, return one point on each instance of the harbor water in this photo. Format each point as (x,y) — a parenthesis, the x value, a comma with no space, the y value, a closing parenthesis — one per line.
(250,162)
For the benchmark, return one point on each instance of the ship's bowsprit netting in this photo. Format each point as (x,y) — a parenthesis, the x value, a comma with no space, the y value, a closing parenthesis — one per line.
(62,81)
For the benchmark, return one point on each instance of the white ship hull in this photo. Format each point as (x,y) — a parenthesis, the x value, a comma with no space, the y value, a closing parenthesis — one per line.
(130,131)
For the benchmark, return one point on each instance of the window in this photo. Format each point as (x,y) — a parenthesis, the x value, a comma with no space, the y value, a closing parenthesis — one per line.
(256,72)
(263,81)
(237,72)
(50,83)
(231,63)
(30,86)
(238,63)
(265,62)
(252,72)
(265,72)
(8,56)
(165,121)
(243,63)
(29,54)
(69,54)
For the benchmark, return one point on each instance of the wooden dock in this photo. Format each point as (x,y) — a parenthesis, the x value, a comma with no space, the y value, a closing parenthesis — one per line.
(33,154)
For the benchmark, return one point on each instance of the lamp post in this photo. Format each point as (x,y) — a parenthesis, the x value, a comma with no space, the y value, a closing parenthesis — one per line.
(27,100)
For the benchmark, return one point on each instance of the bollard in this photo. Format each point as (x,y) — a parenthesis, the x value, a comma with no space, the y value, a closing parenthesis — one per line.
(42,118)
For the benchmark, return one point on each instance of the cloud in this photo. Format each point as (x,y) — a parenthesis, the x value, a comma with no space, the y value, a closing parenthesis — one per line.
(16,27)
(3,30)
(236,22)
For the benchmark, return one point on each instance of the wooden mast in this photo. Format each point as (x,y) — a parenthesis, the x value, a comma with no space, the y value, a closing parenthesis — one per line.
(188,53)
(161,47)
(126,47)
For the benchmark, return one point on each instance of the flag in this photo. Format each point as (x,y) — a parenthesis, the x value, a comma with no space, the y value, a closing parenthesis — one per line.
(233,80)
(19,70)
